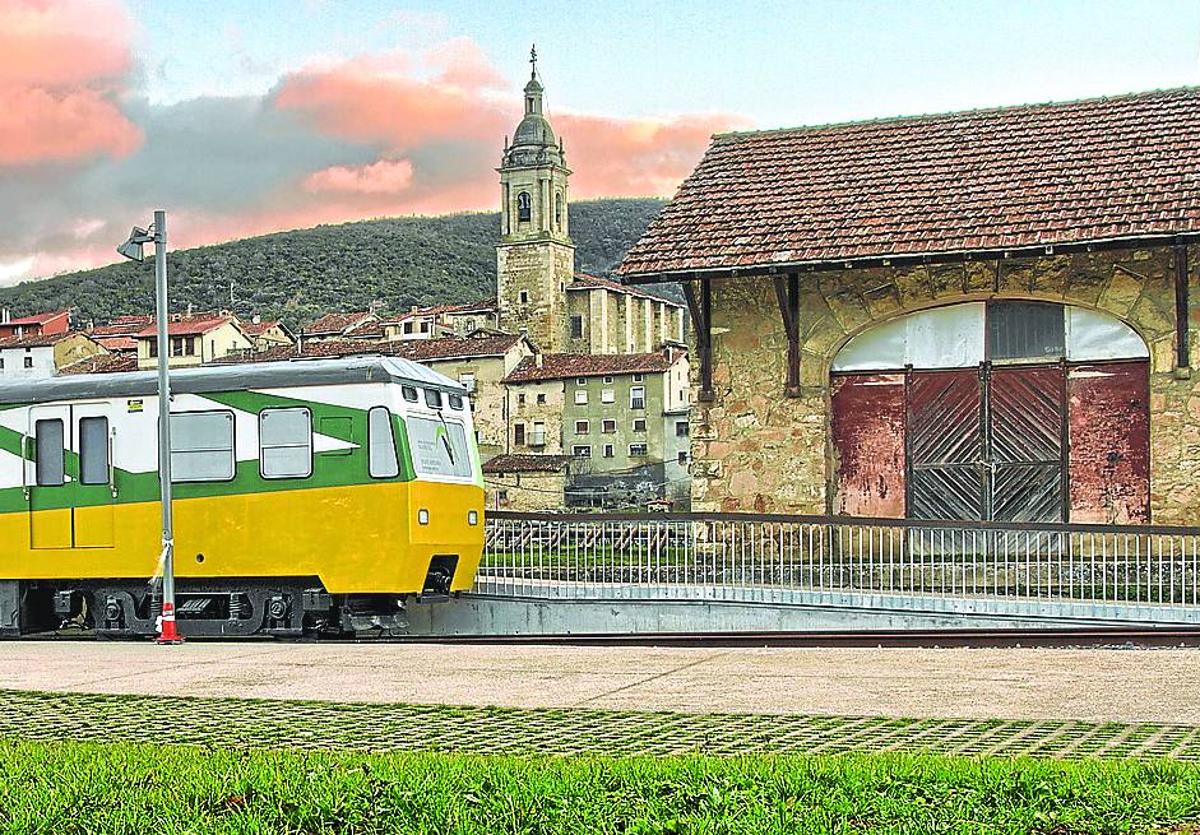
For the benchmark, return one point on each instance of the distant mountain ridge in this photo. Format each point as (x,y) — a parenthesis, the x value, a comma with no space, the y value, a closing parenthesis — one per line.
(299,275)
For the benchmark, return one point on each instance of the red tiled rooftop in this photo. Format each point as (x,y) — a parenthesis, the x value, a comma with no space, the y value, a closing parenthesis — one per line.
(258,328)
(1079,172)
(418,350)
(565,366)
(102,364)
(526,464)
(194,326)
(35,340)
(335,323)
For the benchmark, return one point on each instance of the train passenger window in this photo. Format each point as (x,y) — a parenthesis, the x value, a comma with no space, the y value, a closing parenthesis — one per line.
(410,393)
(433,398)
(51,454)
(285,443)
(202,446)
(456,402)
(93,450)
(381,444)
(439,447)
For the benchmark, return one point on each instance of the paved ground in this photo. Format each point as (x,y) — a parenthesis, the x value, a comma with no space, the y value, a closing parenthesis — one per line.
(1127,686)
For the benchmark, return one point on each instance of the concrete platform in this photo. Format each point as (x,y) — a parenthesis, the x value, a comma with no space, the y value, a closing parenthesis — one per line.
(1033,684)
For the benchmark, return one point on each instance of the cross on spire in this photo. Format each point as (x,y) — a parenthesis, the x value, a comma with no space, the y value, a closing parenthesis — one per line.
(533,61)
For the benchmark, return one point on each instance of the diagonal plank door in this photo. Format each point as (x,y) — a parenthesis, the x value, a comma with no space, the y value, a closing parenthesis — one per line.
(1026,427)
(945,440)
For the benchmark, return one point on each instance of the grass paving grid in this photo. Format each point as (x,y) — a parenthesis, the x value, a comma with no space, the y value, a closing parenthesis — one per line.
(263,723)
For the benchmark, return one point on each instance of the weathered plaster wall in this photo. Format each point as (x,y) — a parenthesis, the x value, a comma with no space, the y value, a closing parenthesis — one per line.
(756,450)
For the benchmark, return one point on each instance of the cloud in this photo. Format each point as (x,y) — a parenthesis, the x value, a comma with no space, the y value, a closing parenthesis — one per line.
(62,65)
(383,177)
(411,130)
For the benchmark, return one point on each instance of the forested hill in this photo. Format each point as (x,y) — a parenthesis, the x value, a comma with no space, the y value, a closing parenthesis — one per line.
(299,275)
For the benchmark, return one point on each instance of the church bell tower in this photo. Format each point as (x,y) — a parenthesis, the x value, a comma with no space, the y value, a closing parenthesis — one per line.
(535,260)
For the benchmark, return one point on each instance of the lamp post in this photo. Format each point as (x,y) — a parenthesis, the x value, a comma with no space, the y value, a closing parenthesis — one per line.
(132,248)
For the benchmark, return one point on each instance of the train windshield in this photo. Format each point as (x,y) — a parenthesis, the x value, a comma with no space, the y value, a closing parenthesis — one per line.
(439,447)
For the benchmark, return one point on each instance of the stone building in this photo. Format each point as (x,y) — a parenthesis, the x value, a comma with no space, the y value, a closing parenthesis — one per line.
(978,315)
(527,482)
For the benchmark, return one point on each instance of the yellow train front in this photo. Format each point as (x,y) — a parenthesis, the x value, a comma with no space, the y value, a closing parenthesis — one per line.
(310,496)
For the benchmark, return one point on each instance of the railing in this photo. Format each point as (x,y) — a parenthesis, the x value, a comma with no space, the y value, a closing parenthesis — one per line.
(668,556)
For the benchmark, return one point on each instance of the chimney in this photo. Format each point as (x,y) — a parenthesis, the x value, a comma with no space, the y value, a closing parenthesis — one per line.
(189,309)
(539,359)
(256,319)
(5,316)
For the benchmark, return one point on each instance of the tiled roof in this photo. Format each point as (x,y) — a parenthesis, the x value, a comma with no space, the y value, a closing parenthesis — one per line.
(102,364)
(1069,173)
(370,329)
(117,342)
(526,464)
(193,326)
(418,350)
(122,325)
(259,328)
(564,366)
(583,281)
(45,340)
(335,323)
(36,318)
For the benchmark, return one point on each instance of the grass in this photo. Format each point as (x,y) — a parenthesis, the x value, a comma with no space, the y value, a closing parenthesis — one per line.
(71,787)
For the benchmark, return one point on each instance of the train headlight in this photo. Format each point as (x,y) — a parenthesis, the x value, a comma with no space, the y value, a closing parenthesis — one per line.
(423,516)
(472,517)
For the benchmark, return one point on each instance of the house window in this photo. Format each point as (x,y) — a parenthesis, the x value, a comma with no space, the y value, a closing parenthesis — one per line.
(581,397)
(153,347)
(581,451)
(285,443)
(541,399)
(51,453)
(639,425)
(608,396)
(608,427)
(1,364)
(202,446)
(637,378)
(523,296)
(638,451)
(381,444)
(408,327)
(608,380)
(609,451)
(467,379)
(683,457)
(424,327)
(524,207)
(681,429)
(519,434)
(576,327)
(502,497)
(28,362)
(582,427)
(581,381)
(539,434)
(637,397)
(520,399)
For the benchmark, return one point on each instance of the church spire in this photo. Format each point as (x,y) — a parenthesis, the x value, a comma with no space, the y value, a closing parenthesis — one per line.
(533,89)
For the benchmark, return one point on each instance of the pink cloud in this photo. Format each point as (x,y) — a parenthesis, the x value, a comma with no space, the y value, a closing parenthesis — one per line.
(383,177)
(60,63)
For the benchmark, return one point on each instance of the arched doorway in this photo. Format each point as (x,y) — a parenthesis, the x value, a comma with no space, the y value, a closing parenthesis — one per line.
(1014,411)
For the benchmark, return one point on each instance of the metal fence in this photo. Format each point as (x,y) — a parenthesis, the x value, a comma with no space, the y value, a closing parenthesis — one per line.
(673,555)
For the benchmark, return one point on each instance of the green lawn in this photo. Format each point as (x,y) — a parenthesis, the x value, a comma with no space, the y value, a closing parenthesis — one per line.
(72,787)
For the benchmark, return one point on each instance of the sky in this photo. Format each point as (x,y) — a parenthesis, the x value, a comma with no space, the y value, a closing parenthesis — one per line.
(240,117)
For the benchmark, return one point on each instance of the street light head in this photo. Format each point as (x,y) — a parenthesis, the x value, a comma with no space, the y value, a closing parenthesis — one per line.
(132,248)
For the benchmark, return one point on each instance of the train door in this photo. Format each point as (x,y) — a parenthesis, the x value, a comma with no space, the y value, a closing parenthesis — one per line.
(93,494)
(46,484)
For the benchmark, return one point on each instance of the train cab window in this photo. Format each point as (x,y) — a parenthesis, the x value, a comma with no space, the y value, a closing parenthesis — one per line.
(433,398)
(410,393)
(285,443)
(439,447)
(381,444)
(93,450)
(51,453)
(456,402)
(202,446)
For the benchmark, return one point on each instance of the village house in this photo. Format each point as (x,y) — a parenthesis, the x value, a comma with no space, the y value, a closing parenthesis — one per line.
(193,339)
(267,334)
(45,354)
(622,417)
(979,315)
(527,482)
(119,335)
(38,324)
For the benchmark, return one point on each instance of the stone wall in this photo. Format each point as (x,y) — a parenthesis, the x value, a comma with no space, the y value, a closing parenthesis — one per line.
(540,269)
(528,492)
(756,450)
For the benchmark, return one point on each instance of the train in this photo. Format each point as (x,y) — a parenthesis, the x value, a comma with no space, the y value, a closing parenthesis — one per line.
(311,497)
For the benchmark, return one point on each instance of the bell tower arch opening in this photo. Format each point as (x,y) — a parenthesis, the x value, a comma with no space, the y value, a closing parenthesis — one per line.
(1005,410)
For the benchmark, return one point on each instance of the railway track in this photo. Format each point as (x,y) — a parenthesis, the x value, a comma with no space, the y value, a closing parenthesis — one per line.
(1114,637)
